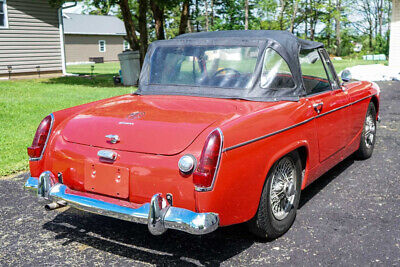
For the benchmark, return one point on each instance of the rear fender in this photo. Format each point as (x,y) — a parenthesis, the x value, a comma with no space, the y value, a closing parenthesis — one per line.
(284,151)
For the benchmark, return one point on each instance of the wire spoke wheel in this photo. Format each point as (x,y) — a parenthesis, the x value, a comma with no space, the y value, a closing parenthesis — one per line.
(370,130)
(283,188)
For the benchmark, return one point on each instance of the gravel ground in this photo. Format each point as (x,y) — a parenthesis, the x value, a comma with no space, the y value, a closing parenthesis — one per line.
(350,216)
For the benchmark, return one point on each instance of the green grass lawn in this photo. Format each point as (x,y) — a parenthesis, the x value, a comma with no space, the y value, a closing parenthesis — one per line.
(24,103)
(100,68)
(346,63)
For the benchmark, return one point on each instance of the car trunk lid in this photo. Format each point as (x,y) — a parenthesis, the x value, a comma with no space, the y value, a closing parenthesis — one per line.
(147,124)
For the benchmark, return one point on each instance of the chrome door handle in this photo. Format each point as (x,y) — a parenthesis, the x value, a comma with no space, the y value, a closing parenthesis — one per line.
(318,107)
(107,154)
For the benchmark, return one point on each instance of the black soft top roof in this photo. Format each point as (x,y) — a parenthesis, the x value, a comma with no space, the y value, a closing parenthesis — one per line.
(284,38)
(283,42)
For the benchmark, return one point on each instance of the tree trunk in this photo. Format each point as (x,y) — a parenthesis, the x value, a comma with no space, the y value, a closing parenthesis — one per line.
(337,27)
(371,36)
(380,17)
(246,14)
(312,31)
(295,8)
(314,20)
(206,13)
(129,26)
(281,12)
(306,20)
(328,23)
(184,17)
(197,15)
(212,13)
(143,29)
(189,26)
(158,14)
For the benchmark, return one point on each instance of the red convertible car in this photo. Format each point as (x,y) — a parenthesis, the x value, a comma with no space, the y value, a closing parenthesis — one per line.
(225,128)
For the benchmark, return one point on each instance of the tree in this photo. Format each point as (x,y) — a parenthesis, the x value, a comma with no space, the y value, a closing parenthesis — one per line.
(292,20)
(246,14)
(157,7)
(206,13)
(184,16)
(337,26)
(98,7)
(143,5)
(283,4)
(337,23)
(212,13)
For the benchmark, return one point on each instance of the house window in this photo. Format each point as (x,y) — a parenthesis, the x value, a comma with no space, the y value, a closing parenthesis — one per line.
(3,14)
(126,45)
(102,46)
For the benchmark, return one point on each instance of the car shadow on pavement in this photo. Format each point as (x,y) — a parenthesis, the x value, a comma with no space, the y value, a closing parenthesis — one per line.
(134,241)
(310,191)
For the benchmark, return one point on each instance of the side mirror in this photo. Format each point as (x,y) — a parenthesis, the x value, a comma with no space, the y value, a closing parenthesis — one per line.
(346,76)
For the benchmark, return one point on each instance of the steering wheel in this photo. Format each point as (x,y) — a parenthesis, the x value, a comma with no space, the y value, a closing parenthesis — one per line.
(225,69)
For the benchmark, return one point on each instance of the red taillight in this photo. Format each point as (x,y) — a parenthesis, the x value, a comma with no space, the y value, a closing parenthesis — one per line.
(204,175)
(39,141)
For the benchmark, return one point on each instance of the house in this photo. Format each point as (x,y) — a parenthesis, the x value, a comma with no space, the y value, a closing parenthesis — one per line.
(93,37)
(30,38)
(394,48)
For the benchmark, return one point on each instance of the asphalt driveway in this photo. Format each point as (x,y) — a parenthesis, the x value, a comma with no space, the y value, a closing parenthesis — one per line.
(350,216)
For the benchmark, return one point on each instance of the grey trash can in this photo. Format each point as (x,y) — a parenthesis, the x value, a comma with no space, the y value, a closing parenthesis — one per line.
(130,67)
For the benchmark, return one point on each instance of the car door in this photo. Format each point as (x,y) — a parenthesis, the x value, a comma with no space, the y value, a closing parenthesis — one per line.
(327,101)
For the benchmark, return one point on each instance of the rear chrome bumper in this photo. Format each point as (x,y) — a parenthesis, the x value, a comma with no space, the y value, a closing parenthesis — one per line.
(159,215)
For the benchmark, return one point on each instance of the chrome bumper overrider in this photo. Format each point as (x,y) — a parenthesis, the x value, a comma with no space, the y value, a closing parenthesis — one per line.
(158,214)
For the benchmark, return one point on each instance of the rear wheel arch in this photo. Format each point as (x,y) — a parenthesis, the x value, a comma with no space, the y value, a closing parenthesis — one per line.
(302,149)
(375,101)
(299,147)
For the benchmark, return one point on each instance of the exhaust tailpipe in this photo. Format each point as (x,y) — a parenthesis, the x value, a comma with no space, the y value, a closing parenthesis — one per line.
(55,205)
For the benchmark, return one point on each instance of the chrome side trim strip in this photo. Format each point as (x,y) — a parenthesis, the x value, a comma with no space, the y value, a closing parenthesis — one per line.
(48,137)
(267,135)
(293,126)
(345,106)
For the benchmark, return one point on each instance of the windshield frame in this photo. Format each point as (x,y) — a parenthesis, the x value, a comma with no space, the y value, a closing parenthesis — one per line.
(251,72)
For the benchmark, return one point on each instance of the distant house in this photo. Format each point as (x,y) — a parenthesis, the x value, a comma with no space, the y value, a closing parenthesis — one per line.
(90,37)
(30,38)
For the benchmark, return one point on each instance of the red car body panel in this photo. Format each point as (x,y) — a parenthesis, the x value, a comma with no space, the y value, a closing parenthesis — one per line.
(256,135)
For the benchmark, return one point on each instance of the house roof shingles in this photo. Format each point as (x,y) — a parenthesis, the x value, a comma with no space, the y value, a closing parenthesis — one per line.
(93,24)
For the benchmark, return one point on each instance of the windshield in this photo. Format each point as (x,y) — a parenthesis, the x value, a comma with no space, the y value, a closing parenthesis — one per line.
(213,66)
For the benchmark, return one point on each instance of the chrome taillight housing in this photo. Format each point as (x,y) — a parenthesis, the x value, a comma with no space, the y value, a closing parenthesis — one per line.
(187,163)
(35,151)
(204,176)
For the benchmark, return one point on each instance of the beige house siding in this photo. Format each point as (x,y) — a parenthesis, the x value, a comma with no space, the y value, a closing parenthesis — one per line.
(79,48)
(394,53)
(31,39)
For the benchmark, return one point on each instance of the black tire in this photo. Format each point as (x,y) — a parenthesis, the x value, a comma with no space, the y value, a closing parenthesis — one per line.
(366,144)
(264,224)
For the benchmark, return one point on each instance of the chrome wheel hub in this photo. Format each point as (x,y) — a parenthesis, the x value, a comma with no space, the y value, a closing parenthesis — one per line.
(283,188)
(370,130)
